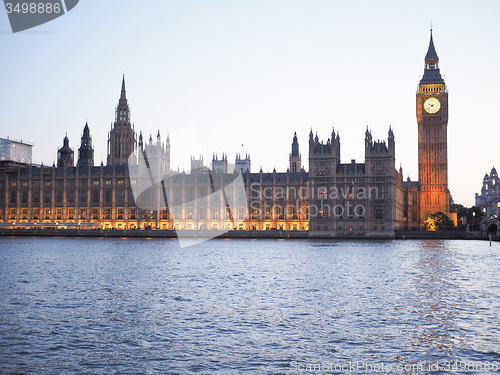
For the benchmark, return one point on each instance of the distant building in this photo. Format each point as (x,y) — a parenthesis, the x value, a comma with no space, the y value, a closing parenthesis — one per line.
(489,199)
(15,151)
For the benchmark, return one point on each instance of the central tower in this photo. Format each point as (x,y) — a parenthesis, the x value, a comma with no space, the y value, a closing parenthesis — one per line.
(432,119)
(121,141)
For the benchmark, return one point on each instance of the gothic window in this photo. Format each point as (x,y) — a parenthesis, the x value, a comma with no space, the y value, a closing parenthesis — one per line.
(25,197)
(71,197)
(83,197)
(95,196)
(190,194)
(13,197)
(322,193)
(281,213)
(268,213)
(59,197)
(48,197)
(108,196)
(177,195)
(255,193)
(322,169)
(121,196)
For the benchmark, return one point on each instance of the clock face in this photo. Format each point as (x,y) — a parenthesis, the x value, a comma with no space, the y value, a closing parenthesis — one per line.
(432,105)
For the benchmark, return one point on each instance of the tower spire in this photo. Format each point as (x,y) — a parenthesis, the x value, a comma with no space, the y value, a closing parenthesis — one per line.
(431,70)
(431,51)
(123,95)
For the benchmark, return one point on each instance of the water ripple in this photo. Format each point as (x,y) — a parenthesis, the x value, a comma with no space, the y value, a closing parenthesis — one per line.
(123,306)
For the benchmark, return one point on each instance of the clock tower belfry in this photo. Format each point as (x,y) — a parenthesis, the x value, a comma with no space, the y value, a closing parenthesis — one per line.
(432,119)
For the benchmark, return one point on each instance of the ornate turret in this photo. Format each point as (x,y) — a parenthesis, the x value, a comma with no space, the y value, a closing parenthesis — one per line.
(65,155)
(295,157)
(86,151)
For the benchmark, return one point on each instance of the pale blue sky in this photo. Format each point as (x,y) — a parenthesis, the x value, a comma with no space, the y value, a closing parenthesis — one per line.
(252,73)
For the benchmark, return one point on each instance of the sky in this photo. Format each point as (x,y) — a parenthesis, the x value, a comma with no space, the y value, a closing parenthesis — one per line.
(243,76)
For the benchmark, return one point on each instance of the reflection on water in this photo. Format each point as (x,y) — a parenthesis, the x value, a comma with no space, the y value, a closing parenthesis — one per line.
(433,303)
(237,306)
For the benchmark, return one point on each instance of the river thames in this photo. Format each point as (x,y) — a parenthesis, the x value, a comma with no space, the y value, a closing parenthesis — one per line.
(138,306)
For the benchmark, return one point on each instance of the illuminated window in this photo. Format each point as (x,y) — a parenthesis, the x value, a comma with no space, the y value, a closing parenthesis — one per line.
(322,169)
(322,193)
(189,213)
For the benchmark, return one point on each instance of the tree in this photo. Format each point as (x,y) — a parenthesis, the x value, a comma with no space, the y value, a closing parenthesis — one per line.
(470,213)
(438,221)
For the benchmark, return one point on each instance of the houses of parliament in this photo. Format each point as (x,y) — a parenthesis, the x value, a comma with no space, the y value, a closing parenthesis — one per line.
(330,199)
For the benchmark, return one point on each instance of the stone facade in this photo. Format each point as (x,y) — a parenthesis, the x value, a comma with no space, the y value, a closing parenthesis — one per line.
(354,198)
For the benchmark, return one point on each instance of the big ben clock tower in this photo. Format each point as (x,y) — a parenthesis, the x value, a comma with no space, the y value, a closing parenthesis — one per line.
(432,119)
